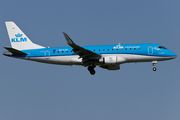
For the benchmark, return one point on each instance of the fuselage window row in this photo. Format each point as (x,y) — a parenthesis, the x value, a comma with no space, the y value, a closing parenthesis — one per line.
(95,50)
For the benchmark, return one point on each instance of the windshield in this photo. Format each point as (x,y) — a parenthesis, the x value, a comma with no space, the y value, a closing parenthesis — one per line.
(161,47)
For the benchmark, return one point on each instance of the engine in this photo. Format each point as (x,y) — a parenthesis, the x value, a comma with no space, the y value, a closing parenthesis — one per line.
(111,67)
(112,60)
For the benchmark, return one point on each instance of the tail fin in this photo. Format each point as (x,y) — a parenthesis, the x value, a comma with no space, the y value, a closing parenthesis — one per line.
(18,39)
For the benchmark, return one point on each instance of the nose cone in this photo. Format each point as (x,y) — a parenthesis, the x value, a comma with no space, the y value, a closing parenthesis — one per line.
(173,55)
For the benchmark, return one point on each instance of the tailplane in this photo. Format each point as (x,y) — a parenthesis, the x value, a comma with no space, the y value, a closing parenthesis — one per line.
(15,51)
(18,39)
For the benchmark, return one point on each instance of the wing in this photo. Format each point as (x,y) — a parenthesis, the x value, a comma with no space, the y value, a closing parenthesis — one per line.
(82,52)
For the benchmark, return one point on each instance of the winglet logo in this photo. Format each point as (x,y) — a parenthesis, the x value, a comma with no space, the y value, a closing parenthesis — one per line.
(19,38)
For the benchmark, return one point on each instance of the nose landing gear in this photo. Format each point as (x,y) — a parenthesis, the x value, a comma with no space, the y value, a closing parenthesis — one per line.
(153,64)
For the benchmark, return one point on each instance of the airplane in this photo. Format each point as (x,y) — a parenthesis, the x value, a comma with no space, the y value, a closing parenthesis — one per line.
(105,56)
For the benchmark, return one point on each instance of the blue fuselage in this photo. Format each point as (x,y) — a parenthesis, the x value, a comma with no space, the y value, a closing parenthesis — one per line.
(130,52)
(131,49)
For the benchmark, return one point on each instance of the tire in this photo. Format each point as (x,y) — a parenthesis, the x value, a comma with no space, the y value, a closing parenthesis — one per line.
(154,69)
(90,68)
(92,72)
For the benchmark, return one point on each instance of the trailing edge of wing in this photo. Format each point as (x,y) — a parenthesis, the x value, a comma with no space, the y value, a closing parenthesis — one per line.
(82,52)
(15,51)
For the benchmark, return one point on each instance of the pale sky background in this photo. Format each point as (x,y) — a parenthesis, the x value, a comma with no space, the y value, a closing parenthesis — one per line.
(38,91)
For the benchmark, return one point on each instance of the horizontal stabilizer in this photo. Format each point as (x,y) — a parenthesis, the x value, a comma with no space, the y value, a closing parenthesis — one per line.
(15,51)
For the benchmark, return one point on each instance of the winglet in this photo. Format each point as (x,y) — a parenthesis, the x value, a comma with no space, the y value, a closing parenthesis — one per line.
(68,39)
(82,52)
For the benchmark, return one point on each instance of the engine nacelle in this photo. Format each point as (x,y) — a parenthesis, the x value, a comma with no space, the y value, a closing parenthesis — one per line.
(111,67)
(112,60)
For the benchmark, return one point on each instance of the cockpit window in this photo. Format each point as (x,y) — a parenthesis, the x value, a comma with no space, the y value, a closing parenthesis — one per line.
(161,47)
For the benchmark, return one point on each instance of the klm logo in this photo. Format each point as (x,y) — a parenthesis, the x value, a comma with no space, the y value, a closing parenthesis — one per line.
(19,38)
(110,59)
(118,46)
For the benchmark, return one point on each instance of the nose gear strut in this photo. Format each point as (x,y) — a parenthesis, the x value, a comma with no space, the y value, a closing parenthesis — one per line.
(153,64)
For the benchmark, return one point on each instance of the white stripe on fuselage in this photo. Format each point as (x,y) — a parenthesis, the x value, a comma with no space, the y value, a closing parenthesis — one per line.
(74,59)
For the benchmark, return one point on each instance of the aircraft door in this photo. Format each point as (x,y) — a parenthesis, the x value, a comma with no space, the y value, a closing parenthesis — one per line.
(150,50)
(47,54)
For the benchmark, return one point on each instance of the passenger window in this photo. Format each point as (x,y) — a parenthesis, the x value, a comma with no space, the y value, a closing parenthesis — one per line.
(67,51)
(129,48)
(121,49)
(134,48)
(112,49)
(62,51)
(103,49)
(117,49)
(107,49)
(125,48)
(139,48)
(54,51)
(93,50)
(99,50)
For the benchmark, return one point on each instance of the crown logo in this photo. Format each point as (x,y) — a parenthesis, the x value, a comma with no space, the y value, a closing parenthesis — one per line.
(18,35)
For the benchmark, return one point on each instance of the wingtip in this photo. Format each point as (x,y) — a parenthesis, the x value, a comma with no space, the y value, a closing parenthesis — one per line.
(68,39)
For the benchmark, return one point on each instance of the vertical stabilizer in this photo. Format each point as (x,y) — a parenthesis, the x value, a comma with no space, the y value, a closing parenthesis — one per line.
(18,39)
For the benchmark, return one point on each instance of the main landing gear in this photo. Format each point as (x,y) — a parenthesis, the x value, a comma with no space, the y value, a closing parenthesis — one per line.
(91,69)
(153,64)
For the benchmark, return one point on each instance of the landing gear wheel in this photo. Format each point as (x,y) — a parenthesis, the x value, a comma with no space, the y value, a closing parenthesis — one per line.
(92,72)
(90,68)
(154,69)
